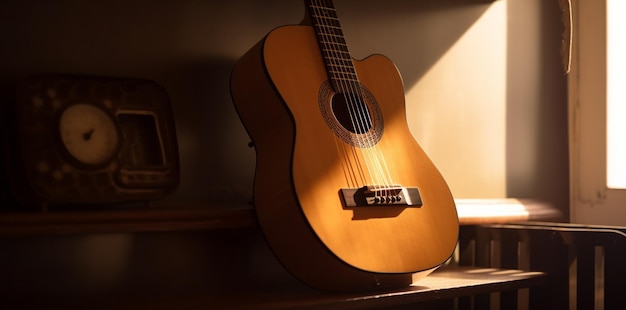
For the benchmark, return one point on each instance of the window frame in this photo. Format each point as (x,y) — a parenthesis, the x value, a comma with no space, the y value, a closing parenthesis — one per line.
(591,201)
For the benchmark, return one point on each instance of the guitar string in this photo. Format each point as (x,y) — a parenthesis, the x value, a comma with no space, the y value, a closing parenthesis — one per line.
(354,177)
(334,59)
(381,173)
(342,84)
(324,39)
(339,85)
(350,86)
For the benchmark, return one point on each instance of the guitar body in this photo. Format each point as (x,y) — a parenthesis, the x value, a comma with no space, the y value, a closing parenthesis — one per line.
(281,93)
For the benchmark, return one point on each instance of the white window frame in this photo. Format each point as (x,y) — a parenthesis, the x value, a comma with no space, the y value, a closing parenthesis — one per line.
(592,202)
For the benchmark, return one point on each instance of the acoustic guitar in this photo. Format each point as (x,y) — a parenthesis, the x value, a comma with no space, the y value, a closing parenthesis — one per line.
(345,196)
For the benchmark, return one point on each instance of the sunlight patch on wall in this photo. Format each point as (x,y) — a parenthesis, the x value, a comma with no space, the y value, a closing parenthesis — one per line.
(616,94)
(457,110)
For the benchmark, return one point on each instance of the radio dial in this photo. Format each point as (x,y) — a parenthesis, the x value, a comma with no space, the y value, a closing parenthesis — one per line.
(89,134)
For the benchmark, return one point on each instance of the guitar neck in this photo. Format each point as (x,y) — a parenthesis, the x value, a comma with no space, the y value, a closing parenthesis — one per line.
(332,45)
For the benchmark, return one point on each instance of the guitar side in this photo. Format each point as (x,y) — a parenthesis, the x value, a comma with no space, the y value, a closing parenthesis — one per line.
(275,88)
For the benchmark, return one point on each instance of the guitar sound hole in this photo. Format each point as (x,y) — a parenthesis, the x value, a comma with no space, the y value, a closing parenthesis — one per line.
(352,113)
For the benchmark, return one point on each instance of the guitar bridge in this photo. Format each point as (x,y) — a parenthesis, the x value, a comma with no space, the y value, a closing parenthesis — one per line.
(380,196)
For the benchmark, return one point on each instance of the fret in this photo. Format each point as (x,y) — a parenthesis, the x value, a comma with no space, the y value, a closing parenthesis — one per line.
(326,17)
(339,70)
(342,45)
(343,78)
(333,63)
(340,66)
(333,40)
(351,74)
(335,32)
(333,46)
(342,70)
(331,26)
(348,72)
(324,8)
(327,11)
(325,20)
(335,53)
(333,23)
(330,33)
(342,61)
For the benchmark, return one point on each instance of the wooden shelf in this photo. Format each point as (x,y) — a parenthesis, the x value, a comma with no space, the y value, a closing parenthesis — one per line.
(166,216)
(445,283)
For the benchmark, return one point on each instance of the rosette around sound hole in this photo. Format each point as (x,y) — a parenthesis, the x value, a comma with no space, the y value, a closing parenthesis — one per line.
(355,116)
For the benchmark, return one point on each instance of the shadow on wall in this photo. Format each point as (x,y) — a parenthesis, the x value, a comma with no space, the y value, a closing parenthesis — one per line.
(414,34)
(537,131)
(215,159)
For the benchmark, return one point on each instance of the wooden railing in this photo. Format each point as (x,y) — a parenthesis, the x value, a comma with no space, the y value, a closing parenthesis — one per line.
(585,264)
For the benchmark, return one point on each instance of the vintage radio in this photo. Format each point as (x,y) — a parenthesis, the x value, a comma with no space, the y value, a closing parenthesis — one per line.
(86,139)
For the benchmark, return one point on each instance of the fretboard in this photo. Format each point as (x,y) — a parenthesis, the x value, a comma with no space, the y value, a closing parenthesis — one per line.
(333,45)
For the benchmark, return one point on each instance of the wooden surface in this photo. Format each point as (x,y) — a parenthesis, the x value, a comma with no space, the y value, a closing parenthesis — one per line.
(442,285)
(161,217)
(445,283)
(175,216)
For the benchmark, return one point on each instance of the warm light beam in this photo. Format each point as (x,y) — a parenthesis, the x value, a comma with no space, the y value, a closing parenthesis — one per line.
(616,94)
(457,110)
